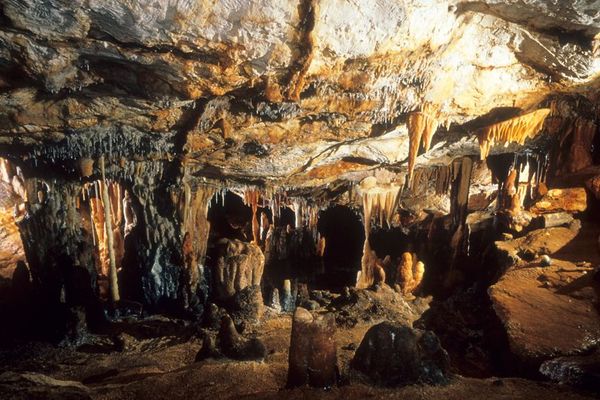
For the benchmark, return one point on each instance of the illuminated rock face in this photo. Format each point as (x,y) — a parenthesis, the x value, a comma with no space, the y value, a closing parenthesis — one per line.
(290,103)
(235,84)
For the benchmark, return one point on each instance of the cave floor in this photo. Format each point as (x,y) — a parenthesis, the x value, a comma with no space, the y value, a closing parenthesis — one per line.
(163,367)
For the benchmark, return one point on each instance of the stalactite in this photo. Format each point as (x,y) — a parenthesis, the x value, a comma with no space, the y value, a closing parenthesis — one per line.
(516,129)
(114,284)
(251,197)
(421,128)
(195,231)
(461,181)
(380,201)
(443,179)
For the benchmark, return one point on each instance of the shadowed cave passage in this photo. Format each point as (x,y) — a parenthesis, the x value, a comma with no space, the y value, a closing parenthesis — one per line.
(344,237)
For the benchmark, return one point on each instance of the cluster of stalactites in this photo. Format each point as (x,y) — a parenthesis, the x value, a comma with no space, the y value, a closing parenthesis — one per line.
(193,208)
(516,130)
(524,175)
(112,217)
(306,212)
(378,200)
(421,128)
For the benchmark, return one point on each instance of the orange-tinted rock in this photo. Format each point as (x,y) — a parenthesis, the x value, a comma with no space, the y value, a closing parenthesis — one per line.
(541,241)
(313,358)
(547,312)
(568,200)
(593,184)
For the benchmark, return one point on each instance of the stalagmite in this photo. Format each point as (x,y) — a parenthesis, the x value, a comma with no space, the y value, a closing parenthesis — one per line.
(421,128)
(312,357)
(409,273)
(516,129)
(418,273)
(379,274)
(404,273)
(114,284)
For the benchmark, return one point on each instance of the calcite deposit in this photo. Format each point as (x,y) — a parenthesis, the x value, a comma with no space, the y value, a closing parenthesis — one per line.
(180,177)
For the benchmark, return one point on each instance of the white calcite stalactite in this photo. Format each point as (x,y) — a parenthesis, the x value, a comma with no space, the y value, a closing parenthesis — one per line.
(378,200)
(110,212)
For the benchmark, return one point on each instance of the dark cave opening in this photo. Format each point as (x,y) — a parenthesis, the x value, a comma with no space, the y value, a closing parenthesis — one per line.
(344,237)
(229,218)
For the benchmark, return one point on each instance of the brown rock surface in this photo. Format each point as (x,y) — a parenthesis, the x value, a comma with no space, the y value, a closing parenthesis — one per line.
(239,265)
(313,357)
(547,312)
(556,200)
(538,242)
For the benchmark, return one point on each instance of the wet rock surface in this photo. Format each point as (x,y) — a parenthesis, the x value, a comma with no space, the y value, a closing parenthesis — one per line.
(579,371)
(397,355)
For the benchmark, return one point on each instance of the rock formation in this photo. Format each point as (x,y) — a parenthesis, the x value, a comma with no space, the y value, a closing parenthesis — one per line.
(240,265)
(396,355)
(178,159)
(312,359)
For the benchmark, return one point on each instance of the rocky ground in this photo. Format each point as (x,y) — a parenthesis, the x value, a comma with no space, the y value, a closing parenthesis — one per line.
(158,368)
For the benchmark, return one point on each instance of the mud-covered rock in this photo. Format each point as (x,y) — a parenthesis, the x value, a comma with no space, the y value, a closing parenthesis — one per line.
(230,344)
(535,243)
(397,355)
(29,385)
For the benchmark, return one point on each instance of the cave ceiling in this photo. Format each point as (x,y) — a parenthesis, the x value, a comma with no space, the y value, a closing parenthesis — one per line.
(295,94)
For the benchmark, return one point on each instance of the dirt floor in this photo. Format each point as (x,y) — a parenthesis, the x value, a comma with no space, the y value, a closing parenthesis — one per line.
(162,368)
